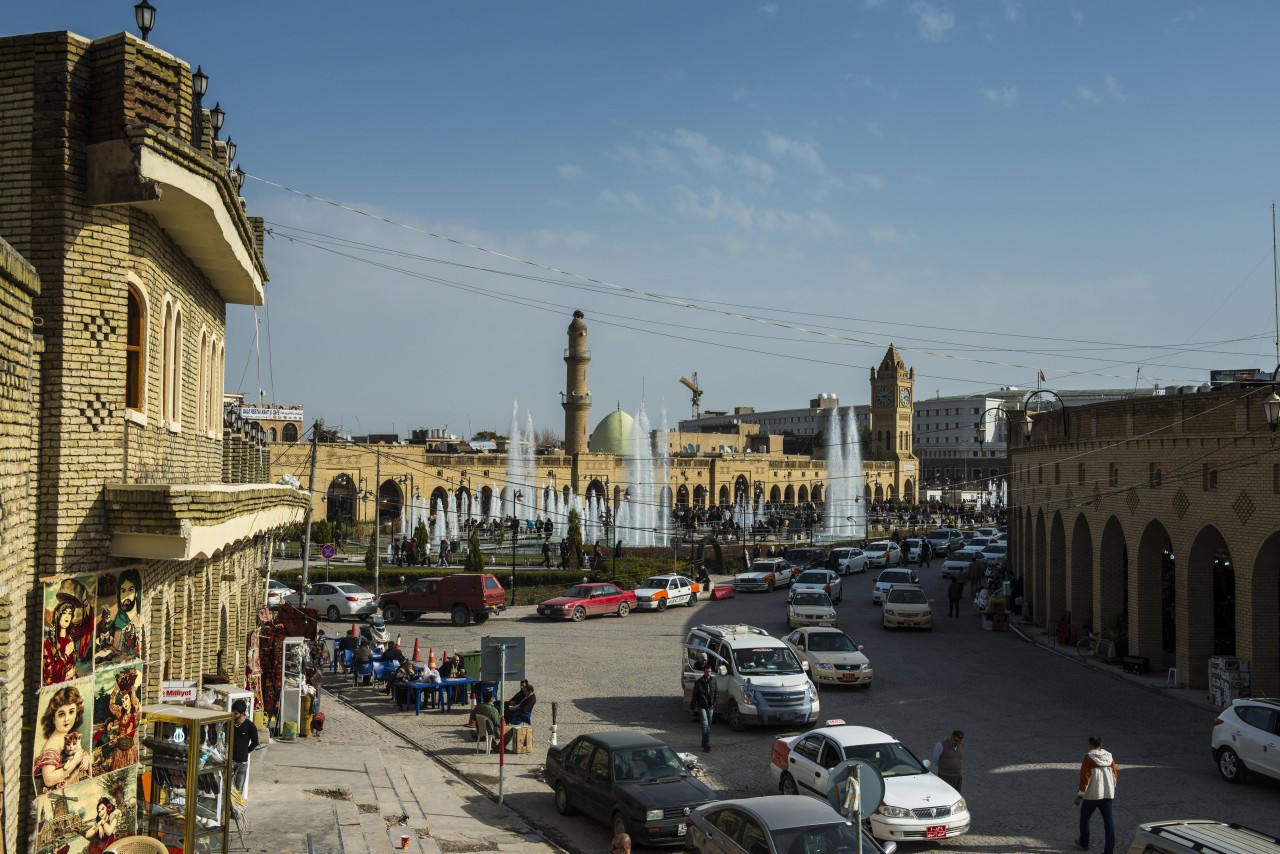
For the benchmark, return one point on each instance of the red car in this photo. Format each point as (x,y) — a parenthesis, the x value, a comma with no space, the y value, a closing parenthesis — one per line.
(582,600)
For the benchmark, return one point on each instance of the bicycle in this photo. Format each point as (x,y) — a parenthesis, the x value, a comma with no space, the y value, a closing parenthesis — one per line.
(1097,644)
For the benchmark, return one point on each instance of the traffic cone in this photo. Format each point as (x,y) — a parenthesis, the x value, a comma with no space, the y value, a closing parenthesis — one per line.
(431,658)
(397,638)
(444,656)
(353,629)
(417,654)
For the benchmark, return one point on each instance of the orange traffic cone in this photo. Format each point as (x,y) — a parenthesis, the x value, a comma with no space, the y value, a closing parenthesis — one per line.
(397,638)
(417,654)
(431,658)
(444,656)
(353,629)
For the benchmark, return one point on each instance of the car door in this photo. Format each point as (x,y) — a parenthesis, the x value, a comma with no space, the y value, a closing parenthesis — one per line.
(598,794)
(321,596)
(573,772)
(678,590)
(722,829)
(751,838)
(1256,738)
(802,765)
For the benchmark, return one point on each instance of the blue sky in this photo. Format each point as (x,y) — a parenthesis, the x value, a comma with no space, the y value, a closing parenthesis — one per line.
(970,181)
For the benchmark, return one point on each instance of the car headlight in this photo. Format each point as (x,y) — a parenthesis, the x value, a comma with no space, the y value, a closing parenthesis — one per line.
(822,665)
(653,815)
(895,812)
(749,697)
(959,806)
(889,612)
(810,692)
(926,613)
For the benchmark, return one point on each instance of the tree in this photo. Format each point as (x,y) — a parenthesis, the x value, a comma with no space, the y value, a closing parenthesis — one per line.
(864,439)
(474,561)
(575,540)
(370,556)
(546,439)
(423,536)
(321,532)
(486,436)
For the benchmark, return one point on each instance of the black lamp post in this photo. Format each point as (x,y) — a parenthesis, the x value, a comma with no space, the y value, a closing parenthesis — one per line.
(199,85)
(216,116)
(145,15)
(1271,405)
(231,151)
(237,178)
(1026,403)
(515,535)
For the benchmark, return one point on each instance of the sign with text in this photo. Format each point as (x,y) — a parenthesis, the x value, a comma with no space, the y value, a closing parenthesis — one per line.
(178,692)
(491,658)
(261,413)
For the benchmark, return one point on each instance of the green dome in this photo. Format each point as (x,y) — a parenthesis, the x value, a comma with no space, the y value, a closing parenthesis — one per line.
(613,434)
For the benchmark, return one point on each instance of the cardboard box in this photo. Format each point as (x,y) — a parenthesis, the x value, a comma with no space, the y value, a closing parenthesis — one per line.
(521,739)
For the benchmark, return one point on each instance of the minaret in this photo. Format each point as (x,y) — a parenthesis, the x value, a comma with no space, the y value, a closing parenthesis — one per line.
(576,399)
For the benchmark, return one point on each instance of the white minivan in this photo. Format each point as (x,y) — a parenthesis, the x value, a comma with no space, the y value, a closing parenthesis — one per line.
(759,680)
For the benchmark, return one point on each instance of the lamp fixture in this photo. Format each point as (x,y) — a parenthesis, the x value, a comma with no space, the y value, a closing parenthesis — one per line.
(237,178)
(1271,405)
(216,117)
(231,151)
(199,81)
(145,16)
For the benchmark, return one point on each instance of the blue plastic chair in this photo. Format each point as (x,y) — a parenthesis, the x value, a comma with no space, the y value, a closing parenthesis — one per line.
(364,670)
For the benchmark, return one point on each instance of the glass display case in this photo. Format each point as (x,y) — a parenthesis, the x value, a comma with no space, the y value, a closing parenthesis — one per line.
(184,783)
(225,695)
(292,679)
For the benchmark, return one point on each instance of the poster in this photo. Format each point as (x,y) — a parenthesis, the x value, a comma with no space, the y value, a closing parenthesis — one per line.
(117,701)
(67,645)
(90,816)
(62,751)
(117,630)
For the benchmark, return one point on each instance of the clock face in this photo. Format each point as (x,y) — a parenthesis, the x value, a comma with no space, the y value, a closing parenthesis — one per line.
(884,396)
(904,396)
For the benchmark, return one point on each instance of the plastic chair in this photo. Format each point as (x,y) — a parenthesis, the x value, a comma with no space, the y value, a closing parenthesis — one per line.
(137,845)
(484,737)
(364,669)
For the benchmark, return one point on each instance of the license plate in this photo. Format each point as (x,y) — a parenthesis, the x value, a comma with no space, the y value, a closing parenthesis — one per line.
(847,677)
(682,829)
(908,622)
(824,624)
(938,831)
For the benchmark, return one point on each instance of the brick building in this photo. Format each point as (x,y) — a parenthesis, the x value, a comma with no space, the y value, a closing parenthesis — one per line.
(1157,516)
(126,240)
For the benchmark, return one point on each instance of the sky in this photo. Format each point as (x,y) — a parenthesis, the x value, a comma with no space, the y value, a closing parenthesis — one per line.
(768,194)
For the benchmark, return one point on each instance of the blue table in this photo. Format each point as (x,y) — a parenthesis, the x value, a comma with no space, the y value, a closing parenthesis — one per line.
(444,692)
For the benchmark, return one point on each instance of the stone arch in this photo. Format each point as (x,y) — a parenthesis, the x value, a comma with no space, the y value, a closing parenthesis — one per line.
(224,639)
(1207,606)
(802,494)
(789,496)
(340,499)
(741,489)
(289,433)
(190,612)
(486,500)
(909,491)
(775,494)
(1259,590)
(817,493)
(1043,617)
(1080,578)
(271,434)
(699,496)
(595,487)
(441,496)
(891,493)
(724,496)
(866,493)
(390,506)
(878,495)
(565,495)
(682,496)
(461,501)
(1153,623)
(1056,603)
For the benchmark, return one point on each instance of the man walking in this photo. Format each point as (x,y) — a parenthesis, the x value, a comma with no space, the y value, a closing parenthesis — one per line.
(948,759)
(1096,792)
(955,592)
(546,553)
(704,703)
(926,552)
(244,742)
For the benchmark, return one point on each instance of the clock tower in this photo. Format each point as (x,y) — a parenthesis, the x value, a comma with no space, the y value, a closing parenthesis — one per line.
(892,396)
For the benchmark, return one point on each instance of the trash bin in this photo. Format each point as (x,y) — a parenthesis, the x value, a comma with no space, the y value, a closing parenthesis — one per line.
(471,661)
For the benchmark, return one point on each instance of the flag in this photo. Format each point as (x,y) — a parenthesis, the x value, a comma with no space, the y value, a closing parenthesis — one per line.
(1042,375)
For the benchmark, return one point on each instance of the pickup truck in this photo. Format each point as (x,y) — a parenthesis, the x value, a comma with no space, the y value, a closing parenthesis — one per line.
(464,597)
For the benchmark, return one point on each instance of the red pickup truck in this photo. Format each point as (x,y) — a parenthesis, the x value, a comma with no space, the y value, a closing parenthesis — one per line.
(465,597)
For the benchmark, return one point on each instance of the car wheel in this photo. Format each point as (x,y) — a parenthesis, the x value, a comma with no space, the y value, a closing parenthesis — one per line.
(1230,766)
(562,800)
(662,604)
(787,785)
(736,723)
(333,613)
(623,609)
(460,616)
(393,614)
(693,600)
(619,825)
(579,614)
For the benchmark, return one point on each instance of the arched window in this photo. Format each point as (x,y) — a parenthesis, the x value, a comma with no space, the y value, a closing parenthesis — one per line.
(215,388)
(202,382)
(271,435)
(290,433)
(166,364)
(135,353)
(175,395)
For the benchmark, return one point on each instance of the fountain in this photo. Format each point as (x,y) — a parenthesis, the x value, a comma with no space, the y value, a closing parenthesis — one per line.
(845,516)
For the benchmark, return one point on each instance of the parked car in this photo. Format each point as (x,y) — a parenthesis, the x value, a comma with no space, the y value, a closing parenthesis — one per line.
(1246,738)
(1201,836)
(584,600)
(337,599)
(810,608)
(884,553)
(464,596)
(764,575)
(977,544)
(832,656)
(907,606)
(759,680)
(806,558)
(958,564)
(821,580)
(989,533)
(631,781)
(889,577)
(911,549)
(777,825)
(944,541)
(996,554)
(658,592)
(276,591)
(849,560)
(917,805)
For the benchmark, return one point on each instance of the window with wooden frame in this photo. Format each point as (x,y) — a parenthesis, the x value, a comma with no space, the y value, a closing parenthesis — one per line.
(135,359)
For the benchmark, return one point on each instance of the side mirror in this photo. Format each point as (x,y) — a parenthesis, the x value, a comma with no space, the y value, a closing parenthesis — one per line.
(889,847)
(928,763)
(861,647)
(722,670)
(804,665)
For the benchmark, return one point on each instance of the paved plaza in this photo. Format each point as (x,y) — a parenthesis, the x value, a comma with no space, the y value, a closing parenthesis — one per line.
(1026,711)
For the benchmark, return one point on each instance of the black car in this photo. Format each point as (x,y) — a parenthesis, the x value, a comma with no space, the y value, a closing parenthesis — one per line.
(632,781)
(807,558)
(777,824)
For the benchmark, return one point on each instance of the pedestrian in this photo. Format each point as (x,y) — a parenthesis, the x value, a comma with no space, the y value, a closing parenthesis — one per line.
(564,553)
(704,703)
(621,844)
(955,592)
(948,759)
(1096,791)
(926,552)
(444,552)
(596,559)
(546,553)
(244,742)
(975,578)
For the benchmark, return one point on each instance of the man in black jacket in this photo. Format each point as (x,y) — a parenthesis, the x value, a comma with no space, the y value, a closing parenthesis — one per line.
(244,740)
(704,703)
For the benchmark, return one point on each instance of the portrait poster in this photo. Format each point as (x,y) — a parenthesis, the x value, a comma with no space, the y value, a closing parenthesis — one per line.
(68,626)
(117,628)
(90,816)
(62,752)
(117,704)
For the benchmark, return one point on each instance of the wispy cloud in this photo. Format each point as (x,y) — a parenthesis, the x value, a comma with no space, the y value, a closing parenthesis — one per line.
(1185,17)
(569,171)
(1114,90)
(713,205)
(932,23)
(885,234)
(1086,95)
(872,4)
(875,128)
(625,201)
(1005,96)
(1012,11)
(769,10)
(1111,92)
(866,81)
(740,94)
(1078,17)
(804,153)
(684,152)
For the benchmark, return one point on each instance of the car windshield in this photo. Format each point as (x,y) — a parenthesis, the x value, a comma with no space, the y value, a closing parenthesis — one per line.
(995,549)
(647,765)
(765,660)
(831,839)
(895,577)
(353,589)
(964,556)
(657,581)
(812,578)
(908,597)
(805,597)
(577,591)
(878,547)
(892,759)
(831,642)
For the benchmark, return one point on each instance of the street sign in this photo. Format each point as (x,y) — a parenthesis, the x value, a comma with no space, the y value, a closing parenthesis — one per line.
(491,659)
(327,551)
(870,791)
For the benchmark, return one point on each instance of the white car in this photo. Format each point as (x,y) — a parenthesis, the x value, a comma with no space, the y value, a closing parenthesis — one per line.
(1246,738)
(995,554)
(832,655)
(661,591)
(887,579)
(822,581)
(810,608)
(911,549)
(907,606)
(917,805)
(849,560)
(958,565)
(276,591)
(338,599)
(884,553)
(764,575)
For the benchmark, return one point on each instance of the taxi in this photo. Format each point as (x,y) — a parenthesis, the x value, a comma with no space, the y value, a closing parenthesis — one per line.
(659,592)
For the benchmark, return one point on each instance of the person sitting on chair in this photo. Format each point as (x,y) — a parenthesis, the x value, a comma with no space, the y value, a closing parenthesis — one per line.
(520,707)
(347,644)
(487,710)
(364,655)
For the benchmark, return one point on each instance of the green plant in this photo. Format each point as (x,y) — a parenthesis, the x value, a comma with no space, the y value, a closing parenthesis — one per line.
(321,532)
(575,540)
(474,561)
(370,557)
(423,536)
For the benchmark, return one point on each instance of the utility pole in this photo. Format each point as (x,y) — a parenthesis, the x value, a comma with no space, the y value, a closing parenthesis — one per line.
(377,520)
(311,489)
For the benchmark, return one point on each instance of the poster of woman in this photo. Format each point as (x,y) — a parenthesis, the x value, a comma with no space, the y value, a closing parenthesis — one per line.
(67,646)
(62,730)
(89,817)
(116,712)
(118,627)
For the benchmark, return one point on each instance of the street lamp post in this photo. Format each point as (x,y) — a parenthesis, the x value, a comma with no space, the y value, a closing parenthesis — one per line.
(1066,422)
(1271,406)
(515,536)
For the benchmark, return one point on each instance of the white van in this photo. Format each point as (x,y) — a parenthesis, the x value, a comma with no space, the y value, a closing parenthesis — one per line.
(759,680)
(1200,836)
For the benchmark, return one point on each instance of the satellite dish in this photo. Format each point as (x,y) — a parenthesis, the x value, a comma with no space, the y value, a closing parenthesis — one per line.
(870,785)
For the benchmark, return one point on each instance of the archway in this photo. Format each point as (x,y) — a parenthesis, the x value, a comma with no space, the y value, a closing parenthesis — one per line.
(1259,591)
(775,495)
(340,500)
(289,433)
(1057,601)
(816,495)
(1112,579)
(789,496)
(224,637)
(741,490)
(1153,623)
(462,503)
(724,496)
(892,493)
(595,487)
(1206,596)
(1080,580)
(1043,617)
(909,491)
(390,506)
(879,493)
(866,493)
(802,494)
(565,495)
(682,496)
(439,501)
(486,502)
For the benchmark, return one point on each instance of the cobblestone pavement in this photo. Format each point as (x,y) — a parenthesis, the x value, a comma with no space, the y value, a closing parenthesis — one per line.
(1026,711)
